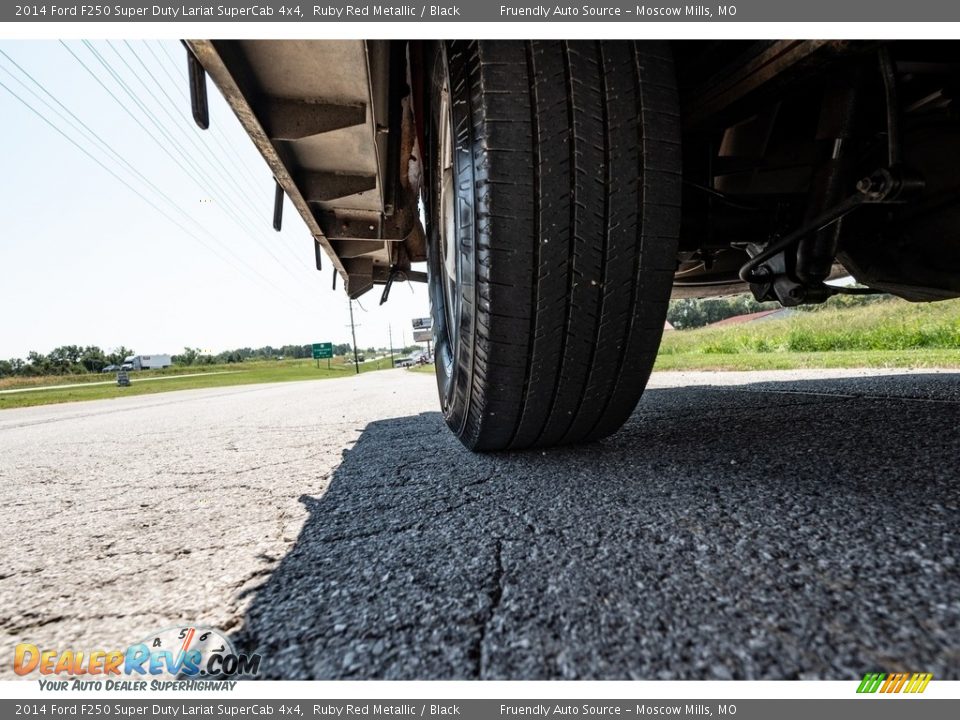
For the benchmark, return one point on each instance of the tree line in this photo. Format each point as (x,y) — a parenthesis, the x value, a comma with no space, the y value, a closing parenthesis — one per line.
(79,360)
(689,313)
(195,356)
(64,360)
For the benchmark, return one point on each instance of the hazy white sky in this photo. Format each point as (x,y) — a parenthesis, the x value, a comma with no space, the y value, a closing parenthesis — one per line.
(85,260)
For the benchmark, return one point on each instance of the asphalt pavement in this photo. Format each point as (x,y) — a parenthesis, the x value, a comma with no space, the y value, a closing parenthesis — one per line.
(768,525)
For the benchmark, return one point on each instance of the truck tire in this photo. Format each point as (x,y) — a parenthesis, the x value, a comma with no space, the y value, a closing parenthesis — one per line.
(553,217)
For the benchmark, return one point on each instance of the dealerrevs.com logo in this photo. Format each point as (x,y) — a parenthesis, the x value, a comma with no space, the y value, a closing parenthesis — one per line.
(173,653)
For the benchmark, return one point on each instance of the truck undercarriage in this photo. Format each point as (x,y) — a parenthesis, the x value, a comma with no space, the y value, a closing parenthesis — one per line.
(802,162)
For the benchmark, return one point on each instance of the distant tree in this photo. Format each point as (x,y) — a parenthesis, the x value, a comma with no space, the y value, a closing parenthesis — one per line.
(230,356)
(696,312)
(296,351)
(118,355)
(38,364)
(92,358)
(64,359)
(187,357)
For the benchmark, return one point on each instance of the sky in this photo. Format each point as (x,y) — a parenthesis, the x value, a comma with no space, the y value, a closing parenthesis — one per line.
(159,237)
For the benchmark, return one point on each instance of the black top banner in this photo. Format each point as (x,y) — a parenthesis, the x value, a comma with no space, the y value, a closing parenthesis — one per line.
(487,11)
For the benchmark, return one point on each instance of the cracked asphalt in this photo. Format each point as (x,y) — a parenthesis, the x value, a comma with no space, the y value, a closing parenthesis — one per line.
(742,525)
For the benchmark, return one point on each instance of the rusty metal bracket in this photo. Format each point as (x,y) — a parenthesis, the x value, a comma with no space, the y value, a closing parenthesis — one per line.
(318,256)
(277,206)
(288,119)
(388,284)
(198,91)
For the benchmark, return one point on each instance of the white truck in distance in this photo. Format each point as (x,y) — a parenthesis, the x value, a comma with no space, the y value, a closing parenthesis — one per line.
(146,362)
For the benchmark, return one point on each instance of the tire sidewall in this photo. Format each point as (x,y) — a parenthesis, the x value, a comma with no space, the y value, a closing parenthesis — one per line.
(453,353)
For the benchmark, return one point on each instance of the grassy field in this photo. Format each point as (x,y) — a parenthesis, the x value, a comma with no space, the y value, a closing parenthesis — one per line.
(17,382)
(885,334)
(892,334)
(146,382)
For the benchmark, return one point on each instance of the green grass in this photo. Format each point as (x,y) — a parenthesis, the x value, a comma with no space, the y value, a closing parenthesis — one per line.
(795,361)
(16,381)
(422,368)
(892,334)
(239,374)
(885,334)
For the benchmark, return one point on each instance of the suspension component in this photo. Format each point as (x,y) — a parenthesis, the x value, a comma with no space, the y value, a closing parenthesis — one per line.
(835,136)
(800,278)
(886,186)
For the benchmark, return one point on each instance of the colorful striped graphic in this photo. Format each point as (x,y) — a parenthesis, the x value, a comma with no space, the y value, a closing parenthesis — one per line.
(894,682)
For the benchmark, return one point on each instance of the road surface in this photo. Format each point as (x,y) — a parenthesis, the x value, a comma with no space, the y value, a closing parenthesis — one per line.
(751,525)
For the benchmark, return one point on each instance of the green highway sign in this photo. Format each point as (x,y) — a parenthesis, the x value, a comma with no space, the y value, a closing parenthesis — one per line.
(322,350)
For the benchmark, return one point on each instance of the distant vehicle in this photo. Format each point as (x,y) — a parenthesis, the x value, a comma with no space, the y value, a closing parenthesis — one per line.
(403,362)
(110,368)
(146,362)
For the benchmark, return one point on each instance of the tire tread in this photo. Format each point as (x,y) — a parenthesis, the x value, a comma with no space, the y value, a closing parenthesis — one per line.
(577,187)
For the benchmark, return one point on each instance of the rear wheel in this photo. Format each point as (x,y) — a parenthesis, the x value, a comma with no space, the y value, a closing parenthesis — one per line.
(553,221)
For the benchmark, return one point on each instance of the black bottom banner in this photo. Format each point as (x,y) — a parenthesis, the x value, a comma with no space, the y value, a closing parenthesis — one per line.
(874,708)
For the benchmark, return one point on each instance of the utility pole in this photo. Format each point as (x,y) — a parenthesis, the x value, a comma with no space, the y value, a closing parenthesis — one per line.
(353,334)
(390,331)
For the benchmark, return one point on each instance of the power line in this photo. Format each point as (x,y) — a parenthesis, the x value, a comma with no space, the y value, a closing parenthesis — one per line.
(102,145)
(117,177)
(212,157)
(211,160)
(151,116)
(242,168)
(182,72)
(132,115)
(169,113)
(196,170)
(83,127)
(214,132)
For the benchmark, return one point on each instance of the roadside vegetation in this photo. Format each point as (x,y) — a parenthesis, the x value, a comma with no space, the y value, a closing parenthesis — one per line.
(78,361)
(103,386)
(846,332)
(426,368)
